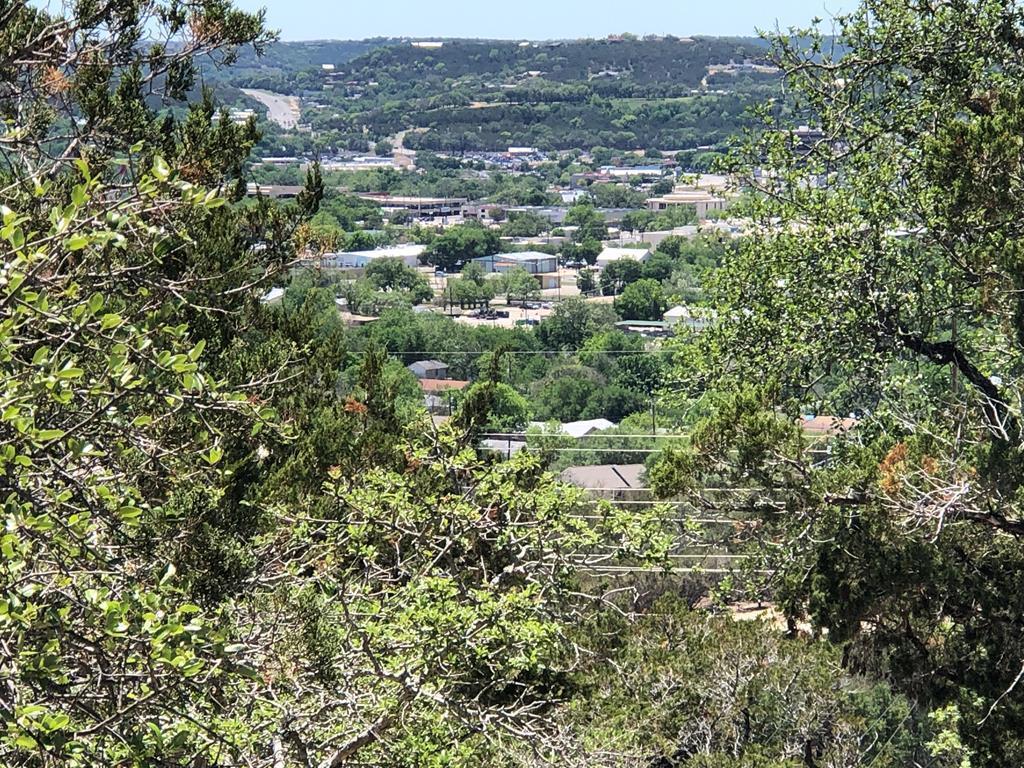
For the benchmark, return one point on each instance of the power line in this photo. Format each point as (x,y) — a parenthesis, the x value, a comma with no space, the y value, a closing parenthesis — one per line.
(701,556)
(451,353)
(700,490)
(699,520)
(537,448)
(592,436)
(654,503)
(612,570)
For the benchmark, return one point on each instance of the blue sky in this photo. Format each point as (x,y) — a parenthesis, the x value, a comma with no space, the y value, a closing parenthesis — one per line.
(533,19)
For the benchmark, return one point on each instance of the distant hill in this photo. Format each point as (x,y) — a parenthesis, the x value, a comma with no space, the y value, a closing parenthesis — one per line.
(681,61)
(282,61)
(482,95)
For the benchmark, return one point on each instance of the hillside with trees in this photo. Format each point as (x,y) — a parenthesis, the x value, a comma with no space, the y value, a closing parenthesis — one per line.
(477,95)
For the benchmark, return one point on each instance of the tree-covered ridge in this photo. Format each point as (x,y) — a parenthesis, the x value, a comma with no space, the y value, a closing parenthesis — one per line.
(489,95)
(663,62)
(649,62)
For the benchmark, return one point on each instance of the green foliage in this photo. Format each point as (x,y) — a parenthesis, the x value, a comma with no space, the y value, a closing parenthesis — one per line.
(571,323)
(617,196)
(392,275)
(232,536)
(648,102)
(618,274)
(884,281)
(589,223)
(642,300)
(732,693)
(508,410)
(524,224)
(460,244)
(586,281)
(519,284)
(97,382)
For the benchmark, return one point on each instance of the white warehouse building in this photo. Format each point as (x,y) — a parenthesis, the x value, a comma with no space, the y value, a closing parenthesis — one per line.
(409,255)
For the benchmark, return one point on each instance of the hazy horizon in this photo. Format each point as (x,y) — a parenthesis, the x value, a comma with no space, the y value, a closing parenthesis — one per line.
(315,21)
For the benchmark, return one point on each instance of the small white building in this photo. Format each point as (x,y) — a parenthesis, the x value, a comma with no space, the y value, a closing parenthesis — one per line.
(608,255)
(273,296)
(240,116)
(695,319)
(577,428)
(429,369)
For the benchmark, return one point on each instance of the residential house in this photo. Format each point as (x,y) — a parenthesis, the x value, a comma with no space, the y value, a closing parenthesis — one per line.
(429,369)
(438,394)
(694,319)
(506,448)
(621,482)
(651,329)
(826,426)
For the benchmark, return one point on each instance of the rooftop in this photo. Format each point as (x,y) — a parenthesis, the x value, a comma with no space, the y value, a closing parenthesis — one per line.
(827,425)
(442,385)
(520,256)
(429,365)
(605,477)
(579,428)
(613,254)
(388,252)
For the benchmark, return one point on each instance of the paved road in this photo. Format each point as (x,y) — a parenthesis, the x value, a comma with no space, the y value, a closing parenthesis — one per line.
(281,109)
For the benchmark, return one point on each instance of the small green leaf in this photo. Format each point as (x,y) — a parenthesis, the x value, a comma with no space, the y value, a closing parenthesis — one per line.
(168,574)
(77,242)
(109,321)
(160,169)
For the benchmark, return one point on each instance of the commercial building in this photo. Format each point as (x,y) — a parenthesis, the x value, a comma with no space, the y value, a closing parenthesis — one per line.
(360,163)
(700,200)
(421,207)
(543,266)
(609,254)
(409,255)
